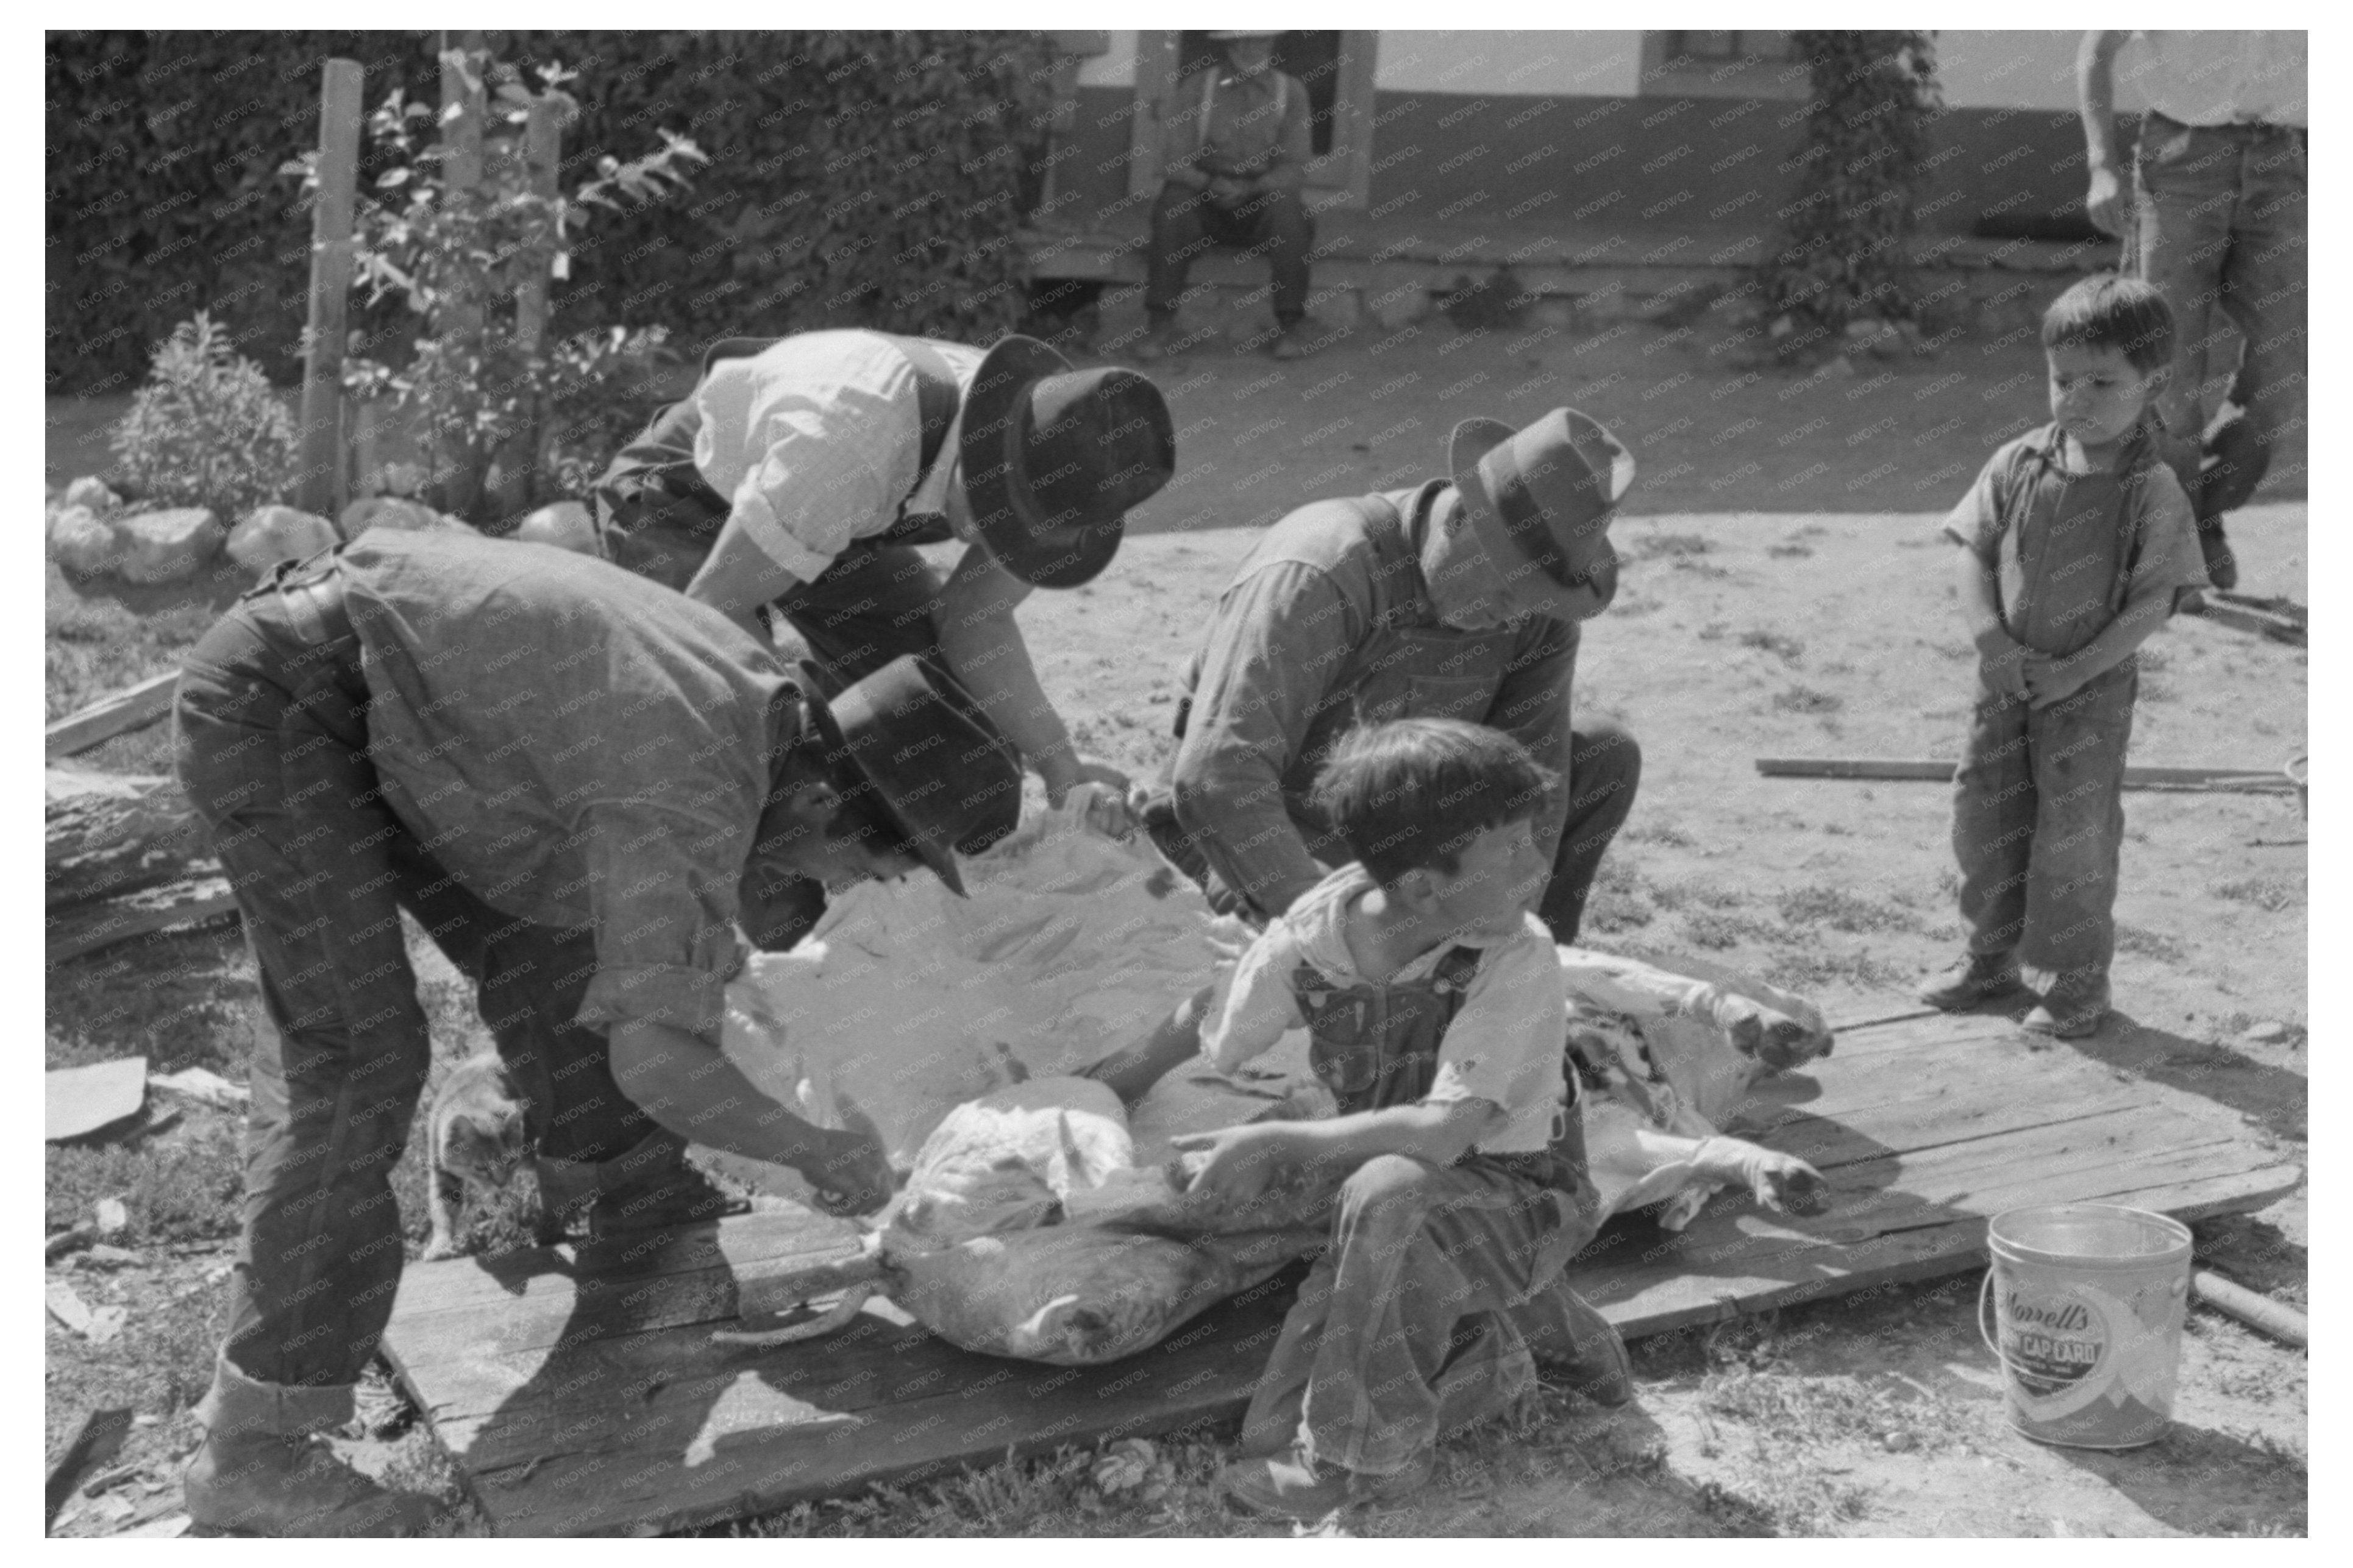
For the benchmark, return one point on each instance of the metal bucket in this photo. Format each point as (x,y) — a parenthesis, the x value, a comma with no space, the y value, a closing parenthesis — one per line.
(2299,773)
(2088,1302)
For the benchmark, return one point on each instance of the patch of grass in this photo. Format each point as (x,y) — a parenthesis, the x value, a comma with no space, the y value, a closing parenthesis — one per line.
(1806,700)
(1812,968)
(1828,1410)
(1664,832)
(1841,911)
(2147,943)
(1796,552)
(2267,894)
(179,1186)
(1713,632)
(1708,929)
(1650,546)
(161,1362)
(1700,891)
(1787,648)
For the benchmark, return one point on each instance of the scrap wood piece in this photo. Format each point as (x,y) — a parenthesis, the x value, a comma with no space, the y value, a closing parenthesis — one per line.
(204,1086)
(110,833)
(2277,604)
(81,1101)
(98,1439)
(2246,617)
(75,932)
(2257,1310)
(2253,780)
(132,708)
(95,1324)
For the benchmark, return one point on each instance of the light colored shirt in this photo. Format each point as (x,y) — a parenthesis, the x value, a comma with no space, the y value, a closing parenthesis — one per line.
(2219,78)
(577,746)
(816,442)
(1504,1046)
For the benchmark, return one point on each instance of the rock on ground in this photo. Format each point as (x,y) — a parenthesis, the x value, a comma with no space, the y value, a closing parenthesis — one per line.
(566,524)
(168,546)
(83,542)
(273,533)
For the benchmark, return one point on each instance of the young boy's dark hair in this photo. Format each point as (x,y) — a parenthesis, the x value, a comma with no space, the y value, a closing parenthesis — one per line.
(1413,792)
(2107,311)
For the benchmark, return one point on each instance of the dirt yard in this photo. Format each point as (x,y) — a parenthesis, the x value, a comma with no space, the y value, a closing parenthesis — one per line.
(1785,593)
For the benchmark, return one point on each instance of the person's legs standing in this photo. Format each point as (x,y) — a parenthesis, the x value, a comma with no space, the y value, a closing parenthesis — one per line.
(272,751)
(2264,289)
(2186,182)
(2078,746)
(1993,839)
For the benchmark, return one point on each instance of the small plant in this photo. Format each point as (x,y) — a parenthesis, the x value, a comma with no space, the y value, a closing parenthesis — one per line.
(207,429)
(509,421)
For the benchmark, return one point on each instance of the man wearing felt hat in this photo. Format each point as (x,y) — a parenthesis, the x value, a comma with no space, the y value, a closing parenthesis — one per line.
(576,782)
(802,472)
(1460,598)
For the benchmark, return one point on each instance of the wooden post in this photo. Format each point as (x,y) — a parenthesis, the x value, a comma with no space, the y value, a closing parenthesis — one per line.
(518,465)
(463,107)
(321,489)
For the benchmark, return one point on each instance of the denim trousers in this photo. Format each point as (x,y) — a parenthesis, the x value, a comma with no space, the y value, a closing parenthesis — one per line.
(1185,223)
(2039,825)
(1426,1313)
(2219,232)
(272,748)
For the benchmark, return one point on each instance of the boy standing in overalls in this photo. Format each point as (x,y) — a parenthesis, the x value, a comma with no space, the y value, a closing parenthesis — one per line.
(1435,1001)
(2075,543)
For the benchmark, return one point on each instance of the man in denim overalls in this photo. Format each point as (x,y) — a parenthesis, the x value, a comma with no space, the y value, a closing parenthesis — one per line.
(1459,599)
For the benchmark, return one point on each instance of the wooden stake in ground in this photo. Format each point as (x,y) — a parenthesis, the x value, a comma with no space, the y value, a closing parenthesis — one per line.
(322,488)
(460,317)
(2253,780)
(516,471)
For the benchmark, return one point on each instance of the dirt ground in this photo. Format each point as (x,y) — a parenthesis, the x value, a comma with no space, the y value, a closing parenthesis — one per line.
(1785,593)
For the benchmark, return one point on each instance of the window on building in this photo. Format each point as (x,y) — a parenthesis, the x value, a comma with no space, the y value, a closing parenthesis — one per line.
(1336,67)
(1721,63)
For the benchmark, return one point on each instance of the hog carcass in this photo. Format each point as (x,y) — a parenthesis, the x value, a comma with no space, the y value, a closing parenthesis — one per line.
(1040,1221)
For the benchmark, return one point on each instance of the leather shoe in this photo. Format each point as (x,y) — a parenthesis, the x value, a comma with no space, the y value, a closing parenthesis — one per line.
(269,1484)
(1293,1486)
(1970,980)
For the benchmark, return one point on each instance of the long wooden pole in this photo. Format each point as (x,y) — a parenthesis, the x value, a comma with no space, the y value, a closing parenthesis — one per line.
(463,107)
(541,151)
(1926,772)
(322,476)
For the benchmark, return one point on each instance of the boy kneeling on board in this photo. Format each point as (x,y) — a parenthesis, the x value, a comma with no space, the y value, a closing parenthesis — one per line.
(1434,999)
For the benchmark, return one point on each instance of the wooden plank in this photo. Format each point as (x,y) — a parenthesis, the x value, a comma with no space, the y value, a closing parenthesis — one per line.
(86,929)
(564,1427)
(1928,770)
(333,252)
(132,708)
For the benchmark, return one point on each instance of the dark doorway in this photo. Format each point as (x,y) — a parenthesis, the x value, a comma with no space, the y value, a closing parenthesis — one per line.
(1312,56)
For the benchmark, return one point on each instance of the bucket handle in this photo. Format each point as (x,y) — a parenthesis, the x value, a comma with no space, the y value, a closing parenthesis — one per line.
(1985,1299)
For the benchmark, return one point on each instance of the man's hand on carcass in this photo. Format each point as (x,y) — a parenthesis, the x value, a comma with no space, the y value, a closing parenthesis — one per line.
(849,1169)
(1240,1163)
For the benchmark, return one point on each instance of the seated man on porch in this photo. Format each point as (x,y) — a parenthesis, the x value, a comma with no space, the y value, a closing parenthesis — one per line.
(1237,150)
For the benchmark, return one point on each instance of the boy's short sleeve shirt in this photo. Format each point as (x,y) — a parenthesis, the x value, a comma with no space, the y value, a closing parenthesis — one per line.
(1504,1046)
(2057,564)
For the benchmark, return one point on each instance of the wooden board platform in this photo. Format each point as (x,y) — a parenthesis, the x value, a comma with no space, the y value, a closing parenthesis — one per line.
(583,1395)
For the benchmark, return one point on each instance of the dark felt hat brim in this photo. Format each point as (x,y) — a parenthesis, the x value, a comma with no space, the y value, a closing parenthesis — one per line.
(1472,441)
(991,448)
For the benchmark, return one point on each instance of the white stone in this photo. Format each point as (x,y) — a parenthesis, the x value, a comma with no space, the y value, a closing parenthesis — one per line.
(90,490)
(565,524)
(169,546)
(273,533)
(83,542)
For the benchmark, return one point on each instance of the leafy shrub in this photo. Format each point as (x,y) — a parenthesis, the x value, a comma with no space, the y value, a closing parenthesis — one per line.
(207,429)
(480,385)
(1844,253)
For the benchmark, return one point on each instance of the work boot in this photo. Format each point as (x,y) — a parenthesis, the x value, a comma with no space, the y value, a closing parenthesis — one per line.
(1162,341)
(2221,566)
(1293,1486)
(1970,980)
(1293,341)
(1594,1363)
(2071,1009)
(679,1195)
(269,1483)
